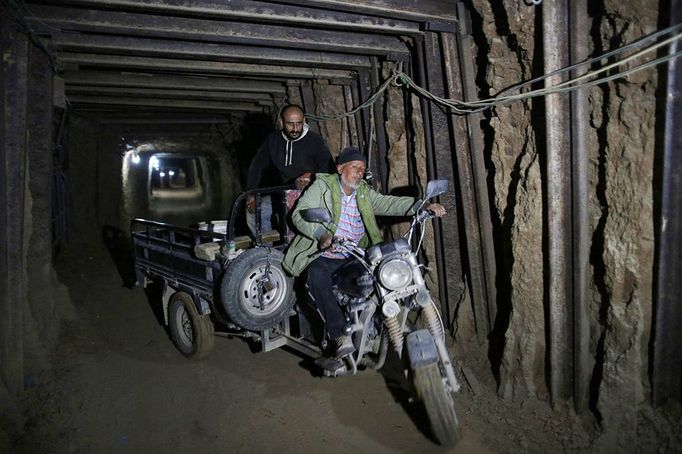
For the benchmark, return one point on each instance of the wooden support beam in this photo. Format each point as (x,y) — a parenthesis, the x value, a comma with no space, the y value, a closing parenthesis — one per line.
(130,63)
(422,11)
(78,100)
(163,93)
(309,103)
(352,126)
(13,77)
(582,234)
(446,153)
(380,171)
(149,47)
(363,84)
(46,18)
(40,168)
(558,175)
(465,45)
(358,118)
(170,82)
(254,11)
(667,365)
(150,119)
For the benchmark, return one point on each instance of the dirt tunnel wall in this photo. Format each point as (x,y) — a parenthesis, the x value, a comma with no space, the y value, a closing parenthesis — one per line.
(622,150)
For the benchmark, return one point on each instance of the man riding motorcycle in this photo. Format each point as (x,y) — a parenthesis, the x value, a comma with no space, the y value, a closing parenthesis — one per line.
(353,205)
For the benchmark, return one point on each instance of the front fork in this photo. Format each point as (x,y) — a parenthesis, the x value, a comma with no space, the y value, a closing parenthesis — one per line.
(391,313)
(395,333)
(435,327)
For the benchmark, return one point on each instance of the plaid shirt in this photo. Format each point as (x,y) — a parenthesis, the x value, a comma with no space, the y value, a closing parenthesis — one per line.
(350,224)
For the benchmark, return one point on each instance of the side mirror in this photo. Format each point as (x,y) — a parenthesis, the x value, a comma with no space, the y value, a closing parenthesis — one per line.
(436,187)
(320,215)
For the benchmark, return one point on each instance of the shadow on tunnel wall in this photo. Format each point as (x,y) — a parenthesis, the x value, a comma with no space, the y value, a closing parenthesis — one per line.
(120,247)
(252,133)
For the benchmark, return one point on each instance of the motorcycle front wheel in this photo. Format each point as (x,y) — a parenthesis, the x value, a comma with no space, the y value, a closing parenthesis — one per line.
(439,404)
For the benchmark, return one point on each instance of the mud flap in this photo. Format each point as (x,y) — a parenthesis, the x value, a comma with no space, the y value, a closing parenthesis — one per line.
(168,291)
(421,349)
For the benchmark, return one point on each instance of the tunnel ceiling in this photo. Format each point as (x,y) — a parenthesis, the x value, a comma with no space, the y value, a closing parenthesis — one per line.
(151,60)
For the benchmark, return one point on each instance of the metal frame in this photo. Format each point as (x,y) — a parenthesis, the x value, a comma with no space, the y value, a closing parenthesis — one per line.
(559,218)
(667,337)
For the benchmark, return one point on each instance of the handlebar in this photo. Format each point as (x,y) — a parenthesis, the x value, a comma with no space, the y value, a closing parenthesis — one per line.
(352,248)
(425,215)
(344,243)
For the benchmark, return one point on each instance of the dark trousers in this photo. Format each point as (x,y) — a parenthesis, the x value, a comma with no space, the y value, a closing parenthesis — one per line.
(319,285)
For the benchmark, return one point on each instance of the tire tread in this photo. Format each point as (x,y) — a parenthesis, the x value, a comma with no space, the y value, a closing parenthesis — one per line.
(442,415)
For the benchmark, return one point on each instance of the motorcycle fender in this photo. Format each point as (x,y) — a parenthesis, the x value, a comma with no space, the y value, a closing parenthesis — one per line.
(421,349)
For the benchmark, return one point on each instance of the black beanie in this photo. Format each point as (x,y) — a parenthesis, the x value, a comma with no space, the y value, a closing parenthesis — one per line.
(350,154)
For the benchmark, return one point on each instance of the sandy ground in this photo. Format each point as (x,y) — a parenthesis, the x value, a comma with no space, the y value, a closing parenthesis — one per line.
(119,385)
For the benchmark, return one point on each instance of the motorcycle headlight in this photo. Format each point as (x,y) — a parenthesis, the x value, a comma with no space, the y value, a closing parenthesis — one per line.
(395,274)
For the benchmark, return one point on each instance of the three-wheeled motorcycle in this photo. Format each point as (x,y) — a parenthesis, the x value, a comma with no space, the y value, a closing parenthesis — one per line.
(218,276)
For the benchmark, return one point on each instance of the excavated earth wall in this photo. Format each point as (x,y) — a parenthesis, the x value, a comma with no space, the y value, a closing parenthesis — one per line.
(515,168)
(624,116)
(622,139)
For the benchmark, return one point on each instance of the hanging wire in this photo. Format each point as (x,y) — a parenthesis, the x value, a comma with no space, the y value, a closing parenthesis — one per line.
(633,45)
(588,75)
(508,95)
(371,100)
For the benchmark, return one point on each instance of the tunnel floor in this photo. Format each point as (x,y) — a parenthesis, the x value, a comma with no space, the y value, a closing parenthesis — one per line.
(119,385)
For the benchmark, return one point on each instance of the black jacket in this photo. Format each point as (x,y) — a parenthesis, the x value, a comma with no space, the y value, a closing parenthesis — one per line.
(280,160)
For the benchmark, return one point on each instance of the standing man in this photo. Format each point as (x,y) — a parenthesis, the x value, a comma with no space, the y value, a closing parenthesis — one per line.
(290,155)
(353,205)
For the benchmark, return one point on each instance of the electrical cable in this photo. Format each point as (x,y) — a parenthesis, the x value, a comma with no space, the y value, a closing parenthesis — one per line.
(635,44)
(461,107)
(584,76)
(400,79)
(371,100)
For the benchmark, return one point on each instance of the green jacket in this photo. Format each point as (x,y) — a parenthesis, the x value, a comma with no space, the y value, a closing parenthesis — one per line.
(325,192)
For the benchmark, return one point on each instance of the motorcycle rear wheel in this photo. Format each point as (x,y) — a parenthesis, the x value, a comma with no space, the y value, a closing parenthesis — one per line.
(439,404)
(191,332)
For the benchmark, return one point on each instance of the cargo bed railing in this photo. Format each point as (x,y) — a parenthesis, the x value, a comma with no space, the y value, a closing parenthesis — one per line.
(167,250)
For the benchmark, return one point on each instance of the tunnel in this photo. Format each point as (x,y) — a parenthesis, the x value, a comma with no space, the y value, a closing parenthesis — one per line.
(556,270)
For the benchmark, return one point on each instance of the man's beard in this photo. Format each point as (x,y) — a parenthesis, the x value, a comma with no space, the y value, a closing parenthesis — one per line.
(292,135)
(351,184)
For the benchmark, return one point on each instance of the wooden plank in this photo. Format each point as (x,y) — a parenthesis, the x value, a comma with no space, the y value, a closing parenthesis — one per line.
(149,47)
(132,63)
(46,18)
(13,77)
(255,11)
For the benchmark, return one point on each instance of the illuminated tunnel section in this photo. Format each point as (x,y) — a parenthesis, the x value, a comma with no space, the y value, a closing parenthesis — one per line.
(178,186)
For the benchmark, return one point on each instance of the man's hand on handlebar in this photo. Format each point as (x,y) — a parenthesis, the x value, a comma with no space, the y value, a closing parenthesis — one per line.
(325,241)
(436,208)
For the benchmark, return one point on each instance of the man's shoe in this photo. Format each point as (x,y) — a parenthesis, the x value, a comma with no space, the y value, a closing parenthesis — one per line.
(344,346)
